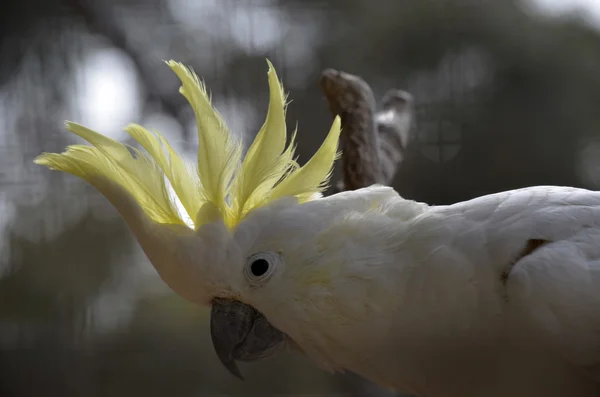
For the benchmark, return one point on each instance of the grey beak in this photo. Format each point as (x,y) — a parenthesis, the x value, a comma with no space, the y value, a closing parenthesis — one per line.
(240,332)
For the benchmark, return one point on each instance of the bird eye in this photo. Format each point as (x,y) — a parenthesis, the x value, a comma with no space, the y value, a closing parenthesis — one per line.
(260,266)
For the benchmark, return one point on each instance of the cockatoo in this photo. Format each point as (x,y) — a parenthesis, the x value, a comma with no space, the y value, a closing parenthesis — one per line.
(496,296)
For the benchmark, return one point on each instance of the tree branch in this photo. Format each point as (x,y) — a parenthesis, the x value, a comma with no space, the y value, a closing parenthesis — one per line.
(373,141)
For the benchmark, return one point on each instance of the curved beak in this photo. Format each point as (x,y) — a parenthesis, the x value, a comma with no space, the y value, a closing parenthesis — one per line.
(240,332)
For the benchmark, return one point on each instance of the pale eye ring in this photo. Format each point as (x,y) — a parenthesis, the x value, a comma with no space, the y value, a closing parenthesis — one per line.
(261,266)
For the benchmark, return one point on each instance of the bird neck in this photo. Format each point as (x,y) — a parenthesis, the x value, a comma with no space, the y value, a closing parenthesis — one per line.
(175,251)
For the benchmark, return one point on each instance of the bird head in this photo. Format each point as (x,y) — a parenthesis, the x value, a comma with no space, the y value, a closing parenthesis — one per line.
(225,231)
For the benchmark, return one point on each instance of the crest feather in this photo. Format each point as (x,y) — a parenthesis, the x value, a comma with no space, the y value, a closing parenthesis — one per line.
(221,185)
(218,151)
(139,176)
(182,175)
(312,179)
(266,160)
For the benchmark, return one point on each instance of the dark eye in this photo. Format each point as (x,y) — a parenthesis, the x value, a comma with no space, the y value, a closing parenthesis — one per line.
(259,267)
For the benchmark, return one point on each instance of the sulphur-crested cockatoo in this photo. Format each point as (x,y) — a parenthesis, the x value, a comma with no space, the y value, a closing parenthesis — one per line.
(496,296)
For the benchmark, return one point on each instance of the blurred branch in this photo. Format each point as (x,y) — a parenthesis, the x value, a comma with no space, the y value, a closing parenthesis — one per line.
(373,141)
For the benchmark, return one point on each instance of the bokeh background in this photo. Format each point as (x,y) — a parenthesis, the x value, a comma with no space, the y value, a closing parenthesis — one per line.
(507,95)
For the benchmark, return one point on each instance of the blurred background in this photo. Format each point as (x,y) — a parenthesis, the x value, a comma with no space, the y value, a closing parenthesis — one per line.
(507,95)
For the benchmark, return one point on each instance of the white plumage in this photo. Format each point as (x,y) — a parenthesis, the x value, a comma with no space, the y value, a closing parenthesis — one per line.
(493,297)
(457,300)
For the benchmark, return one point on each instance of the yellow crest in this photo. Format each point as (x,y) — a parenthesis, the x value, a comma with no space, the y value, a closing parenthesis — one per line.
(220,179)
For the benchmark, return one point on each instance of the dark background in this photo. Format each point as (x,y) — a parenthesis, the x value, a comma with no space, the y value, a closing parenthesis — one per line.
(505,97)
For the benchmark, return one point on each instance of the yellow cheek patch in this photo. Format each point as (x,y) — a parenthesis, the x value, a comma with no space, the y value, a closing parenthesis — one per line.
(317,277)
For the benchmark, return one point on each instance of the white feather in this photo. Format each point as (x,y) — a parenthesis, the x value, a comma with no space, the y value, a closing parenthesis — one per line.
(413,297)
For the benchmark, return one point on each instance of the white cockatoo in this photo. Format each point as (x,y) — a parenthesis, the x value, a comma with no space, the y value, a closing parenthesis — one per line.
(494,297)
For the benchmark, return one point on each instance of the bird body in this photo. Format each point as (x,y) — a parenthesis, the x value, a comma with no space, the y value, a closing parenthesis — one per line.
(456,301)
(495,296)
(444,300)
